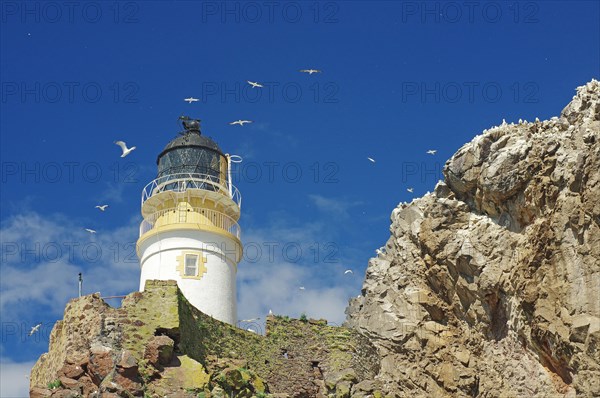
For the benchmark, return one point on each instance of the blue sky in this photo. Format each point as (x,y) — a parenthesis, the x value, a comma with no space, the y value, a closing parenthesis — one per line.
(399,78)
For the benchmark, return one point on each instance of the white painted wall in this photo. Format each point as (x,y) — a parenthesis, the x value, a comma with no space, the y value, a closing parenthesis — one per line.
(215,293)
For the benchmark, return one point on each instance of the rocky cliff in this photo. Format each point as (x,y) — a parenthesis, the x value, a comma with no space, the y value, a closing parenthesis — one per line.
(490,286)
(157,344)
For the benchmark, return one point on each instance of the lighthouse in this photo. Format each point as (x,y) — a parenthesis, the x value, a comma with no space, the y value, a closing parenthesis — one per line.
(190,230)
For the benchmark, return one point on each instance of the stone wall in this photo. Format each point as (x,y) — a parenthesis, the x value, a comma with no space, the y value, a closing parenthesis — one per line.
(157,344)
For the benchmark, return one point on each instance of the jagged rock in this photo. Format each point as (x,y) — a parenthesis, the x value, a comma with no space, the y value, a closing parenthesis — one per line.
(342,389)
(38,392)
(69,383)
(127,360)
(101,361)
(65,394)
(159,350)
(491,286)
(72,371)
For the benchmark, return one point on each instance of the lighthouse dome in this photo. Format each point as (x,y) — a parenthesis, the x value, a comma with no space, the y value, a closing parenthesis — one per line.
(191,139)
(191,152)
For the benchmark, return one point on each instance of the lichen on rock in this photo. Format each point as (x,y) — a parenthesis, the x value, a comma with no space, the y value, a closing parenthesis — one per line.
(491,285)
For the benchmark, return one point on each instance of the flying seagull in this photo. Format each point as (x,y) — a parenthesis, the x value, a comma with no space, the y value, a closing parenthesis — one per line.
(348,271)
(432,151)
(310,71)
(191,99)
(241,122)
(35,328)
(254,84)
(102,208)
(251,330)
(126,151)
(410,189)
(301,287)
(91,231)
(371,159)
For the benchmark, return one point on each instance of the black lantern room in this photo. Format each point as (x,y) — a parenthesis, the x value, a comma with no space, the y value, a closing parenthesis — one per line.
(194,154)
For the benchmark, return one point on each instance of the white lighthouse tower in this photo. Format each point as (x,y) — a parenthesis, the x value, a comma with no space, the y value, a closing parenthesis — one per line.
(190,232)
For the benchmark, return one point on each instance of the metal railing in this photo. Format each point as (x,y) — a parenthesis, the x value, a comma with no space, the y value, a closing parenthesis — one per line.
(192,215)
(181,182)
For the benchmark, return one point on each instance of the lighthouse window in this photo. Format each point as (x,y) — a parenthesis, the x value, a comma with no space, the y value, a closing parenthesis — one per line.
(191,265)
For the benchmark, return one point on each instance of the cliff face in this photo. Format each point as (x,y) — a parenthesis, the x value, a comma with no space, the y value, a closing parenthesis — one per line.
(490,286)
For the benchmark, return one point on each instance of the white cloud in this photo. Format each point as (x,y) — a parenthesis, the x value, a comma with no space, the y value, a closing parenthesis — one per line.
(112,193)
(14,378)
(42,256)
(272,279)
(333,207)
(276,286)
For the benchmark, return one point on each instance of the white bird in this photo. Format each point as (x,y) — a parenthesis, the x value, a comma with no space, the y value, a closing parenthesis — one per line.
(126,151)
(241,122)
(102,208)
(348,271)
(537,119)
(432,151)
(301,288)
(191,99)
(371,159)
(378,251)
(91,231)
(270,312)
(250,320)
(254,84)
(410,189)
(35,328)
(310,71)
(251,330)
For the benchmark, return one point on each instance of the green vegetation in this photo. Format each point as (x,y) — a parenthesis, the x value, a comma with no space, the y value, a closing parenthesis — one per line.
(54,384)
(145,372)
(232,360)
